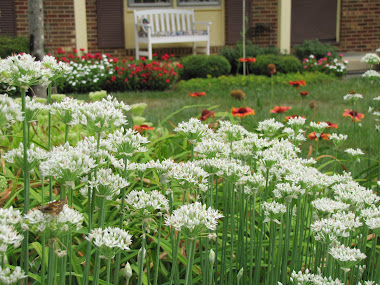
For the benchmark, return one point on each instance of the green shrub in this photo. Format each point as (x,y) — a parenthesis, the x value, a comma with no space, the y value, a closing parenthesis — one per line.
(10,45)
(284,64)
(201,66)
(316,48)
(233,54)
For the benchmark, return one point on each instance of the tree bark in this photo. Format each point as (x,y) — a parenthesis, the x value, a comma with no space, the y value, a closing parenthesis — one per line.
(36,37)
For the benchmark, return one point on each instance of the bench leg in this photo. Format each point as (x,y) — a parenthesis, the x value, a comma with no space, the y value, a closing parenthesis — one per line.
(194,48)
(137,51)
(150,56)
(208,48)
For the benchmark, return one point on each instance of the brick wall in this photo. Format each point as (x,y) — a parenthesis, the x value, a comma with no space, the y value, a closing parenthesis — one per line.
(264,22)
(58,19)
(360,25)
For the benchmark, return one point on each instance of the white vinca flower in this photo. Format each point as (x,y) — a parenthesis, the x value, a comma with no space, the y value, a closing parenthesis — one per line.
(10,112)
(193,130)
(193,219)
(147,203)
(53,225)
(35,156)
(11,277)
(110,241)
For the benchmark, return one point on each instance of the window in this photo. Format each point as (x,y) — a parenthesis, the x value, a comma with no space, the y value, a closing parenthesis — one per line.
(198,2)
(149,3)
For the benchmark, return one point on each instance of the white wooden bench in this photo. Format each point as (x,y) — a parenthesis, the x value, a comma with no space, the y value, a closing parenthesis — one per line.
(165,26)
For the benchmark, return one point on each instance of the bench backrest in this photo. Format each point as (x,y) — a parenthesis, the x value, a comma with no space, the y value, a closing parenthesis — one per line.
(166,20)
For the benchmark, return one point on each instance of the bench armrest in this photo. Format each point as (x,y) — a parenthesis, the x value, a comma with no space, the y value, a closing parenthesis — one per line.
(202,23)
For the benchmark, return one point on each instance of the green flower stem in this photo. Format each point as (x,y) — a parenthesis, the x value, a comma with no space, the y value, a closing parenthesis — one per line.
(52,264)
(43,242)
(353,113)
(271,253)
(66,133)
(289,208)
(295,253)
(373,256)
(211,274)
(122,212)
(63,264)
(377,275)
(252,237)
(49,142)
(258,254)
(301,235)
(279,251)
(189,277)
(174,273)
(108,270)
(378,164)
(232,205)
(141,255)
(157,263)
(227,194)
(97,254)
(25,242)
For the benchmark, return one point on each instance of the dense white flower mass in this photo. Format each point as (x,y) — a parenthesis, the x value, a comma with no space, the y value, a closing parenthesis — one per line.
(346,255)
(11,277)
(110,241)
(193,219)
(211,148)
(269,127)
(370,58)
(10,112)
(229,132)
(147,202)
(9,236)
(187,174)
(273,208)
(288,191)
(67,111)
(193,130)
(328,206)
(53,224)
(35,156)
(352,97)
(354,152)
(318,127)
(371,74)
(54,69)
(306,277)
(338,139)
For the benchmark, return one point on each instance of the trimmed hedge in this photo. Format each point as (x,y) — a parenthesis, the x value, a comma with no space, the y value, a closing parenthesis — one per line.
(13,45)
(202,66)
(316,48)
(284,64)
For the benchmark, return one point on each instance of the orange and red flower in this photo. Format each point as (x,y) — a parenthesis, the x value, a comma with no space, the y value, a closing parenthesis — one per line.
(297,83)
(242,112)
(313,136)
(142,128)
(304,93)
(206,114)
(331,125)
(287,118)
(247,59)
(355,116)
(197,94)
(280,109)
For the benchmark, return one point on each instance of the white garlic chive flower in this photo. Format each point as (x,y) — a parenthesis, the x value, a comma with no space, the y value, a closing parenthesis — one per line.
(318,128)
(339,225)
(210,148)
(354,152)
(193,219)
(338,139)
(11,277)
(367,283)
(352,97)
(371,74)
(9,236)
(326,205)
(241,149)
(33,108)
(187,174)
(110,241)
(50,225)
(100,116)
(296,122)
(306,277)
(287,191)
(67,164)
(273,210)
(10,216)
(193,130)
(294,136)
(67,111)
(346,256)
(269,127)
(54,69)
(35,156)
(125,142)
(21,71)
(10,112)
(229,132)
(253,183)
(147,203)
(107,184)
(371,215)
(371,59)
(377,98)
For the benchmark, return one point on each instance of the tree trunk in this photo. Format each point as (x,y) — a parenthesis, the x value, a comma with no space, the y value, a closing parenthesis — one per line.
(36,37)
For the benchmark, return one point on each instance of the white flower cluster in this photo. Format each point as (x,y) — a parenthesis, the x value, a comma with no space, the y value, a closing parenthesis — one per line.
(193,130)
(11,277)
(329,206)
(35,156)
(10,112)
(269,127)
(229,132)
(352,97)
(287,191)
(110,240)
(371,74)
(54,69)
(193,219)
(67,111)
(273,209)
(188,174)
(354,152)
(211,148)
(371,59)
(306,277)
(53,225)
(147,202)
(346,254)
(318,127)
(9,219)
(67,163)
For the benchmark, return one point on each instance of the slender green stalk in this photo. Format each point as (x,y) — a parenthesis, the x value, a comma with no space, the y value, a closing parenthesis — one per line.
(189,277)
(97,255)
(232,205)
(252,238)
(211,274)
(43,242)
(289,207)
(121,219)
(49,142)
(279,251)
(52,265)
(157,262)
(67,133)
(295,254)
(108,270)
(141,255)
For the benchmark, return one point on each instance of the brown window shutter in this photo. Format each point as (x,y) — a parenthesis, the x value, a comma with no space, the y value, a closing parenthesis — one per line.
(313,20)
(234,19)
(110,17)
(7,18)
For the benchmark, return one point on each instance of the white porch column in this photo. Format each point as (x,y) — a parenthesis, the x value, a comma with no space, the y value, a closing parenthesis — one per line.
(80,25)
(284,25)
